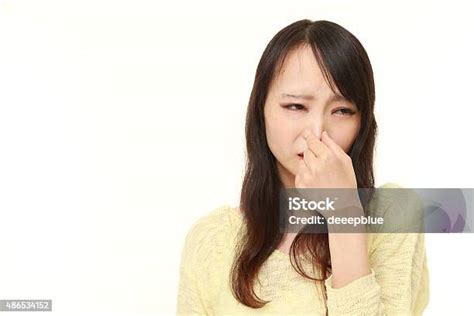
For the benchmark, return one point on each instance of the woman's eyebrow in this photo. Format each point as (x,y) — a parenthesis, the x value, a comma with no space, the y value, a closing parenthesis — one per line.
(333,98)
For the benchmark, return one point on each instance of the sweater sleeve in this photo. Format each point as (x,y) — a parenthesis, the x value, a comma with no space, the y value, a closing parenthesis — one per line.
(190,301)
(398,282)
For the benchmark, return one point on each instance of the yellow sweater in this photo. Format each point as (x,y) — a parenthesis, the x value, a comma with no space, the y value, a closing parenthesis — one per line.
(398,283)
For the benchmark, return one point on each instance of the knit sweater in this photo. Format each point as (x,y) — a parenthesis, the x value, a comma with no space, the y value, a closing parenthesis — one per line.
(398,283)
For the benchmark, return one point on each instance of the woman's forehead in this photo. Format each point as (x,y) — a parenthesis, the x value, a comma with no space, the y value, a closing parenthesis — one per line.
(300,74)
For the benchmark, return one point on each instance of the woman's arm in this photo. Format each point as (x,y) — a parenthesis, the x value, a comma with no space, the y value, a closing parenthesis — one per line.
(190,299)
(193,295)
(390,279)
(379,273)
(349,257)
(398,282)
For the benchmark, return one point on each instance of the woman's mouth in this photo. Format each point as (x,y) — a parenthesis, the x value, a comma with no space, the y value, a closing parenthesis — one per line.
(301,156)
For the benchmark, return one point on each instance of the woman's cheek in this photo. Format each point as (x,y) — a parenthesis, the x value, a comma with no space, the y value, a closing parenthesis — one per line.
(344,140)
(279,140)
(274,139)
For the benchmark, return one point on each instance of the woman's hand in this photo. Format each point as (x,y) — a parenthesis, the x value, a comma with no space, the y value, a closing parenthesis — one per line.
(327,166)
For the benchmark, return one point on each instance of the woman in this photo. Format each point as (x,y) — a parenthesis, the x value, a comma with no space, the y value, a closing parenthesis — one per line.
(310,124)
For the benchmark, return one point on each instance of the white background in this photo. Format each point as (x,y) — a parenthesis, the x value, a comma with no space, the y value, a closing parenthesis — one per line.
(122,122)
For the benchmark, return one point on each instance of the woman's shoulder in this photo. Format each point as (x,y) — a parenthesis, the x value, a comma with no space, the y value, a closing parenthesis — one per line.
(390,185)
(391,199)
(212,232)
(219,220)
(208,250)
(400,208)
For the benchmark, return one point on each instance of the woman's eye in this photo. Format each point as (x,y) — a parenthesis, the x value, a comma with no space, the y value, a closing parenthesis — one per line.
(299,107)
(294,107)
(345,111)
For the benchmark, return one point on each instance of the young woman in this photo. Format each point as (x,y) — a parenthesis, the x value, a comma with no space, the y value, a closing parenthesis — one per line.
(310,124)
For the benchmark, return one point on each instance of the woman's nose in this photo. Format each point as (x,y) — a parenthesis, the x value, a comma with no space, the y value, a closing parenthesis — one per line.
(316,123)
(316,128)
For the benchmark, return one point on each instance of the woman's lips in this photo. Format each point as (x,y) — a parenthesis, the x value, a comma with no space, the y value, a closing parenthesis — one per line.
(301,156)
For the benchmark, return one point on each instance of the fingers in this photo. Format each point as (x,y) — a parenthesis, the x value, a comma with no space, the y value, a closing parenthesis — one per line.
(309,158)
(331,144)
(319,149)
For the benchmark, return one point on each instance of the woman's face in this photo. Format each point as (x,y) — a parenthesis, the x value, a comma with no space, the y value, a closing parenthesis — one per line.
(299,99)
